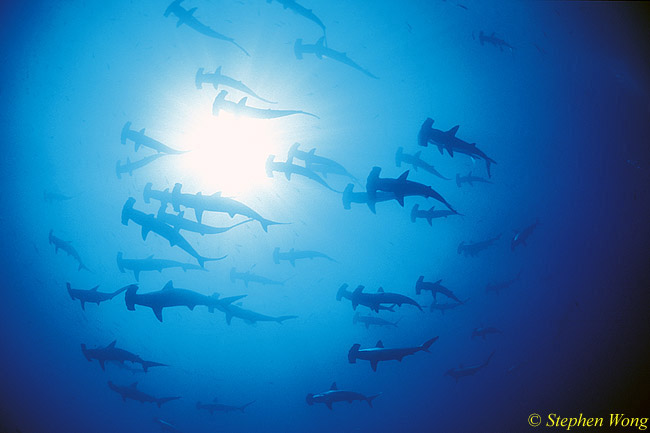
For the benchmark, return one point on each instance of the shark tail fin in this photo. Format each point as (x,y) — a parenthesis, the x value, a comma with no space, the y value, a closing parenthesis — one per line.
(118,291)
(398,157)
(266,223)
(242,408)
(425,346)
(458,180)
(371,398)
(117,169)
(283,318)
(146,365)
(161,401)
(129,298)
(347,196)
(418,285)
(67,285)
(202,260)
(310,399)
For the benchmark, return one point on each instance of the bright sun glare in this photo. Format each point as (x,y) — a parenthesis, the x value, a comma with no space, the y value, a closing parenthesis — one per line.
(228,153)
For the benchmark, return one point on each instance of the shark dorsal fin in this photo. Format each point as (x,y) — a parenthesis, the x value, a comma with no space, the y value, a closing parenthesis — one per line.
(128,161)
(438,282)
(218,71)
(169,285)
(469,174)
(112,345)
(404,175)
(142,131)
(453,130)
(432,208)
(214,400)
(217,194)
(94,289)
(359,289)
(242,101)
(380,290)
(191,11)
(321,41)
(380,344)
(417,155)
(333,387)
(133,385)
(461,365)
(150,257)
(311,152)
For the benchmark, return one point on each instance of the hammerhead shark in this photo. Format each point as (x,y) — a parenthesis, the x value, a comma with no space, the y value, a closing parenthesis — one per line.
(349,197)
(434,288)
(448,140)
(132,392)
(217,407)
(522,236)
(292,255)
(214,203)
(114,354)
(462,371)
(140,139)
(166,426)
(475,248)
(416,162)
(371,320)
(249,277)
(401,187)
(171,296)
(241,109)
(483,331)
(288,169)
(430,214)
(374,300)
(130,167)
(186,17)
(317,163)
(164,197)
(320,50)
(494,40)
(149,223)
(380,353)
(442,307)
(247,316)
(180,223)
(60,244)
(366,302)
(218,79)
(301,10)
(92,295)
(469,179)
(51,197)
(497,287)
(151,264)
(335,395)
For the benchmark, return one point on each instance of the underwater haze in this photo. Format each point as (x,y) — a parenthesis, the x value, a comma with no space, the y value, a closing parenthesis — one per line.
(323,216)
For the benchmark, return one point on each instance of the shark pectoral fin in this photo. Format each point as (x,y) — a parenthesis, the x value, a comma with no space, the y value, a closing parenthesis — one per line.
(228,318)
(293,262)
(83,305)
(242,101)
(198,213)
(137,275)
(400,200)
(329,405)
(101,364)
(145,232)
(158,312)
(373,364)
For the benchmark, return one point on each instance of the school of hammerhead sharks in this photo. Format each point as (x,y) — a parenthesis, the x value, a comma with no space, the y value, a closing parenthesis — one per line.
(313,167)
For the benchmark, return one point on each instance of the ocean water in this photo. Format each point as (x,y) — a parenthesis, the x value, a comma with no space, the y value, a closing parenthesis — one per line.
(563,109)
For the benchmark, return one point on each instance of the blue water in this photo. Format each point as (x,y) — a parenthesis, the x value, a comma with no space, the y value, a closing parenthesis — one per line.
(564,114)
